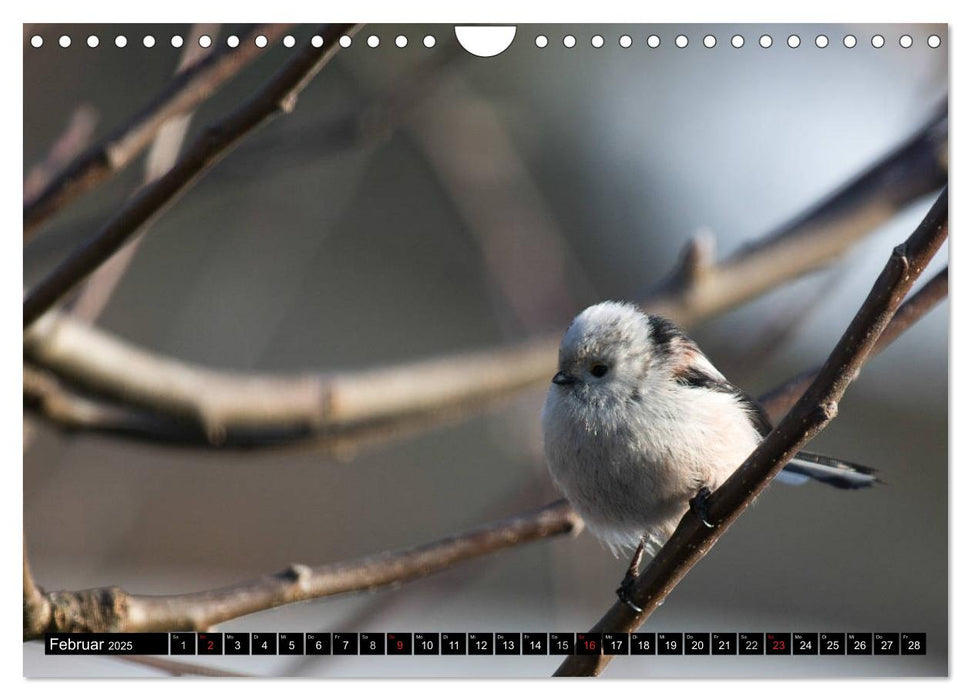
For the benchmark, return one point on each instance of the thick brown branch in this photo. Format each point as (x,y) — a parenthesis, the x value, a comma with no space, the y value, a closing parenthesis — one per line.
(114,610)
(104,159)
(812,412)
(277,95)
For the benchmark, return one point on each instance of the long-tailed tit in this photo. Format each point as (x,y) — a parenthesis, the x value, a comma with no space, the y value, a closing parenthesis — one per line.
(638,423)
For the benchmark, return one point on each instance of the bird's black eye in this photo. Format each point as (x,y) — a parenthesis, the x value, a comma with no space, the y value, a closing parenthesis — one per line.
(599,370)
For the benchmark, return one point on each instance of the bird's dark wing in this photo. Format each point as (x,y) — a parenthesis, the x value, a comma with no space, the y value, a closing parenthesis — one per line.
(698,371)
(695,376)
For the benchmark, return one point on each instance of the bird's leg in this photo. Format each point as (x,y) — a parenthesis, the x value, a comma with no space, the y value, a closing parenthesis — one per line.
(699,505)
(624,592)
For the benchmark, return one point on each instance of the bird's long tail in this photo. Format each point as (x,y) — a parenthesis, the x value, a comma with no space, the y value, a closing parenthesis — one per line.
(835,472)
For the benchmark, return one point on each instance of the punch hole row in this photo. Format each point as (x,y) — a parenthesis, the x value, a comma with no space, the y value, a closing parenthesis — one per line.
(205,41)
(710,41)
(401,41)
(597,41)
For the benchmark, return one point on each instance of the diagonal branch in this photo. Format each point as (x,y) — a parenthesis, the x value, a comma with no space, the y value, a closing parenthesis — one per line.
(812,412)
(91,610)
(277,95)
(104,159)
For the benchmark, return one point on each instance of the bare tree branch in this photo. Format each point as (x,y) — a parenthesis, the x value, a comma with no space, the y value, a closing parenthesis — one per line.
(45,393)
(67,407)
(777,401)
(812,412)
(221,402)
(114,610)
(253,408)
(277,95)
(104,159)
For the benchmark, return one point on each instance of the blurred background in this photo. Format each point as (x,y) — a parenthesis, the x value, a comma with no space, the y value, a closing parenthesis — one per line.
(422,201)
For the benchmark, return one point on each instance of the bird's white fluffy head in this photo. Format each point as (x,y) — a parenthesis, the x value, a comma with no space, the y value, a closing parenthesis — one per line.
(606,351)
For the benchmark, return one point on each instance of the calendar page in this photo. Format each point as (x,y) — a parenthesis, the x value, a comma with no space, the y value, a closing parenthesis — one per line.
(485,351)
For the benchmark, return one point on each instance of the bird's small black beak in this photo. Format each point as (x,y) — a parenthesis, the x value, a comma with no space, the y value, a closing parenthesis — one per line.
(564,379)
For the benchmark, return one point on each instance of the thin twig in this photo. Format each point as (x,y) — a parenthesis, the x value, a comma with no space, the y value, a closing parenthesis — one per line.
(813,411)
(114,610)
(104,159)
(277,95)
(777,401)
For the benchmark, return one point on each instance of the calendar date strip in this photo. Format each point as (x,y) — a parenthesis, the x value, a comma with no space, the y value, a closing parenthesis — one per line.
(487,644)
